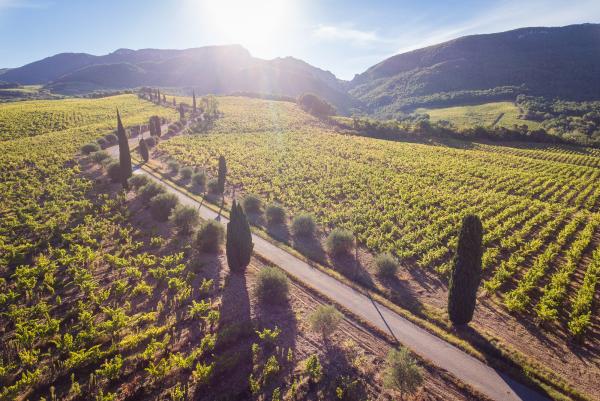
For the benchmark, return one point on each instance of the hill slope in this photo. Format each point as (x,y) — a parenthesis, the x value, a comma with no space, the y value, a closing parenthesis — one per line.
(552,62)
(211,69)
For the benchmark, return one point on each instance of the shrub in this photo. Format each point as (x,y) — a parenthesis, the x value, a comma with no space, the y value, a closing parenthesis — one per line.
(402,372)
(271,285)
(150,190)
(162,205)
(210,236)
(313,368)
(186,173)
(100,156)
(275,214)
(101,141)
(89,148)
(138,180)
(111,138)
(173,167)
(185,218)
(114,171)
(304,225)
(339,241)
(251,203)
(315,105)
(151,142)
(325,320)
(199,179)
(386,265)
(213,186)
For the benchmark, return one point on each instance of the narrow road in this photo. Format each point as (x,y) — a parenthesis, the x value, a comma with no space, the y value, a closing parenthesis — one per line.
(461,365)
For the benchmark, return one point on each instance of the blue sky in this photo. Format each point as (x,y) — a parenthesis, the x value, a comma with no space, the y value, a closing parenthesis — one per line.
(345,37)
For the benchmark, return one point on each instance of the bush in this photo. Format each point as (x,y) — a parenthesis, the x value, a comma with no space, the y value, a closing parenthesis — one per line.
(386,265)
(101,142)
(185,218)
(325,320)
(111,138)
(199,180)
(271,285)
(173,167)
(275,214)
(210,237)
(114,171)
(149,191)
(213,186)
(315,105)
(89,148)
(339,242)
(402,372)
(251,203)
(100,156)
(161,206)
(304,225)
(151,142)
(138,180)
(186,173)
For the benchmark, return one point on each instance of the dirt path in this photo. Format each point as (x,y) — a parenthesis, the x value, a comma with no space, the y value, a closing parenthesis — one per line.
(468,369)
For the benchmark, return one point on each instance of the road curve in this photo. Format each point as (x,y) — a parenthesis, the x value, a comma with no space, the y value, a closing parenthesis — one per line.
(461,365)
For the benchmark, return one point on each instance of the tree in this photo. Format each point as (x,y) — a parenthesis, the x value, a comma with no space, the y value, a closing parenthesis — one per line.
(164,98)
(124,155)
(313,104)
(194,102)
(181,112)
(239,239)
(158,96)
(222,174)
(144,152)
(466,274)
(325,320)
(402,372)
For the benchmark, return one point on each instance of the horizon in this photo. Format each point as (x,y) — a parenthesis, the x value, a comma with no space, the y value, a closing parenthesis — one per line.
(343,38)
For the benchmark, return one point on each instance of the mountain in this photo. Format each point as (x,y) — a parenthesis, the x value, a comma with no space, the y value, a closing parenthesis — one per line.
(551,62)
(210,69)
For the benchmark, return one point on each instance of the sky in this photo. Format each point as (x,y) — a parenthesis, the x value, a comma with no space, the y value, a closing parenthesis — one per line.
(344,37)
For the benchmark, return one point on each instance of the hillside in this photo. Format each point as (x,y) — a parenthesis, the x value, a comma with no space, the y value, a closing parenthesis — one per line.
(551,62)
(211,69)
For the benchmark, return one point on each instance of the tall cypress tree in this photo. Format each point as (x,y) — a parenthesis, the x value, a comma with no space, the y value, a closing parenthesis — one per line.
(239,239)
(466,274)
(158,96)
(124,155)
(181,112)
(144,152)
(164,98)
(194,102)
(222,174)
(174,102)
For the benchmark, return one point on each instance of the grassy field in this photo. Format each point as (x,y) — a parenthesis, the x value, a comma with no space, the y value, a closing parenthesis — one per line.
(539,206)
(503,114)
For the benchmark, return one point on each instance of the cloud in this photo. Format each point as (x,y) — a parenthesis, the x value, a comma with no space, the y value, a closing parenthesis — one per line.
(336,33)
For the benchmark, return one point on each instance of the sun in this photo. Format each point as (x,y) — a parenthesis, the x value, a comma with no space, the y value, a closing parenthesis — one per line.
(254,24)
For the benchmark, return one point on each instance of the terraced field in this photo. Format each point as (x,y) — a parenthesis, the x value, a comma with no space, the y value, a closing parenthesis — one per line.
(539,206)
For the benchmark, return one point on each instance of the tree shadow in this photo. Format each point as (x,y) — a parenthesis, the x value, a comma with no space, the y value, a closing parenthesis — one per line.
(280,232)
(310,246)
(351,267)
(401,293)
(256,218)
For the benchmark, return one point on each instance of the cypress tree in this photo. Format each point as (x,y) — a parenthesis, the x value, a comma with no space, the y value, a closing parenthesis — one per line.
(174,102)
(239,240)
(194,102)
(157,126)
(144,150)
(124,155)
(164,98)
(222,174)
(466,274)
(158,96)
(181,112)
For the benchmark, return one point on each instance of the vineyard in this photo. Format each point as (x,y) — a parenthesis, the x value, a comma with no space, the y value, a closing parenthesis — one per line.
(539,206)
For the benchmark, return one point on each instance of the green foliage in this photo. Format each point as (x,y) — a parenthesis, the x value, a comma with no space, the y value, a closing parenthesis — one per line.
(466,274)
(199,179)
(386,265)
(114,171)
(210,236)
(275,214)
(213,186)
(402,372)
(144,150)
(239,239)
(124,155)
(313,368)
(202,373)
(222,176)
(304,225)
(149,191)
(186,173)
(173,167)
(100,156)
(339,242)
(325,320)
(269,336)
(251,203)
(162,204)
(185,218)
(111,369)
(89,148)
(138,180)
(315,105)
(271,286)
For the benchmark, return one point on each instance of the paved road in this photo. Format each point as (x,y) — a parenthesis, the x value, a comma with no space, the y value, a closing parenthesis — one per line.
(466,368)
